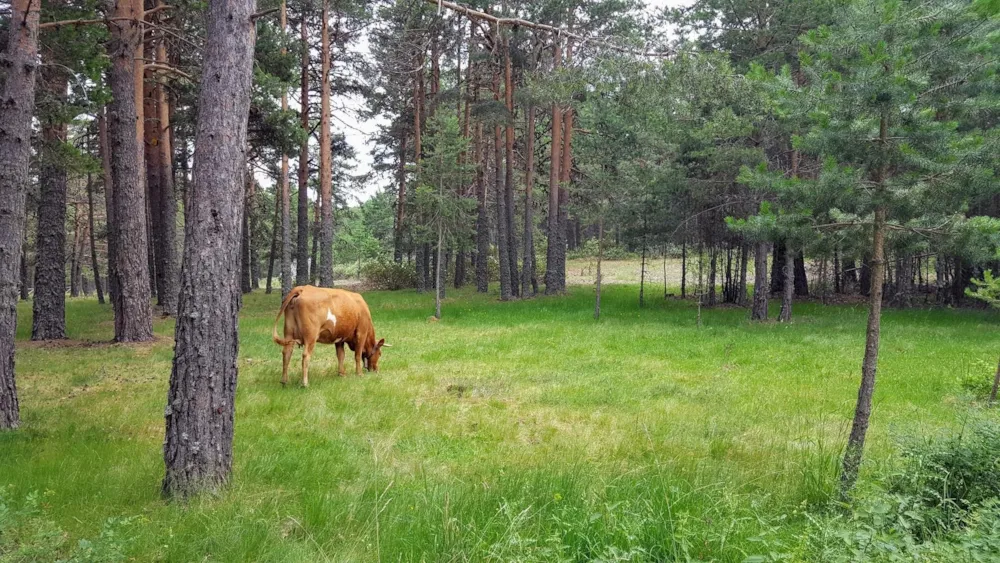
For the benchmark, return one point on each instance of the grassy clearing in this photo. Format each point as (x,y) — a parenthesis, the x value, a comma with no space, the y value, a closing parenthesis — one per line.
(519,431)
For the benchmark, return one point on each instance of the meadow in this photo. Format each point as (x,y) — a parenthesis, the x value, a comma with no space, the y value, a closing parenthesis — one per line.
(522,431)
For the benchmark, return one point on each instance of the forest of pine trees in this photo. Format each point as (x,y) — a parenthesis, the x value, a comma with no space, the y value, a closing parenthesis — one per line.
(146,152)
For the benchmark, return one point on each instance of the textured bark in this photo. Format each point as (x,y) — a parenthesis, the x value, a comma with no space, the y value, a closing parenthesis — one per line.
(313,262)
(201,401)
(555,247)
(503,241)
(482,220)
(713,262)
(509,210)
(302,240)
(438,267)
(75,275)
(246,283)
(420,264)
(133,322)
(903,296)
(788,286)
(800,280)
(109,208)
(48,321)
(565,177)
(325,170)
(25,283)
(684,255)
(459,269)
(93,240)
(397,236)
(760,288)
(17,101)
(869,366)
(275,226)
(778,267)
(286,197)
(528,266)
(166,200)
(741,285)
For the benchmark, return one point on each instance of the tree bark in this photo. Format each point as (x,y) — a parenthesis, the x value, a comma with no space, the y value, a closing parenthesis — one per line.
(246,277)
(482,220)
(503,241)
(275,225)
(49,307)
(555,246)
(741,286)
(286,193)
(75,276)
(302,240)
(869,366)
(166,247)
(528,265)
(788,287)
(438,279)
(16,106)
(760,287)
(325,170)
(509,210)
(801,280)
(400,199)
(565,177)
(713,263)
(109,208)
(201,401)
(93,241)
(133,321)
(778,267)
(25,283)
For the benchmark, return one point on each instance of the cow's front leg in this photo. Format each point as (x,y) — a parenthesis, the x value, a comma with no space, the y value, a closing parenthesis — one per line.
(340,359)
(357,359)
(306,352)
(286,358)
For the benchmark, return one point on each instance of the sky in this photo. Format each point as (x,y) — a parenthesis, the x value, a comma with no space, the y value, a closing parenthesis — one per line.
(359,132)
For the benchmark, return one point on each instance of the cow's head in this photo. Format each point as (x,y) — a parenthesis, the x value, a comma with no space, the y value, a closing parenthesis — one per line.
(371,360)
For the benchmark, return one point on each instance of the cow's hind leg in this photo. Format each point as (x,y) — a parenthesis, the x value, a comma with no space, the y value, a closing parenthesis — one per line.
(307,351)
(340,359)
(286,358)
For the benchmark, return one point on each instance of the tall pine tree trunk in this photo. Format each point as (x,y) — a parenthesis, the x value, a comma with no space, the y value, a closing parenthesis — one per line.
(109,209)
(509,210)
(16,106)
(200,409)
(286,192)
(302,240)
(565,176)
(49,306)
(133,321)
(500,200)
(275,225)
(325,170)
(869,366)
(166,247)
(482,220)
(93,239)
(74,260)
(600,258)
(555,246)
(788,287)
(528,266)
(760,287)
(397,236)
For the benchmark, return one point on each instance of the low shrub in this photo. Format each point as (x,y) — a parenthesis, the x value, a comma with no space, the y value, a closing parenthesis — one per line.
(978,379)
(388,275)
(589,250)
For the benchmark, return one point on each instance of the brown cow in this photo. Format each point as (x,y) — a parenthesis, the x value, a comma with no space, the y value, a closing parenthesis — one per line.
(329,316)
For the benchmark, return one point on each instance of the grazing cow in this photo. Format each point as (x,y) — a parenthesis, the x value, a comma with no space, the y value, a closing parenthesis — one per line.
(329,316)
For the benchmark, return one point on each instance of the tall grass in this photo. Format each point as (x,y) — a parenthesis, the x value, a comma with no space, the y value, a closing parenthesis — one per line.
(517,431)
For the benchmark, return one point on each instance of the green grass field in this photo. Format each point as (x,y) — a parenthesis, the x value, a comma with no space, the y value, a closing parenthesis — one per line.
(507,431)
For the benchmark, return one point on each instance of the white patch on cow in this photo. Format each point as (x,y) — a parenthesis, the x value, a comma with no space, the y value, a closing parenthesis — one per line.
(331,317)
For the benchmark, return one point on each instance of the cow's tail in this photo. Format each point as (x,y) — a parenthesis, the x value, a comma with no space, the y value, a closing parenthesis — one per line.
(284,305)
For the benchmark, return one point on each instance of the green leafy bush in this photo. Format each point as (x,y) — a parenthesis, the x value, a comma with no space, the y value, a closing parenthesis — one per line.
(388,275)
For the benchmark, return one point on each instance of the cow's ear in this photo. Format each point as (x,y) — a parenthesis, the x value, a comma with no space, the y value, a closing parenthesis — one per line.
(380,343)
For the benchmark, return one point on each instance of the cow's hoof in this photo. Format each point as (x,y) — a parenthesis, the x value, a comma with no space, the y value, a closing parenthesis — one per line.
(305,384)
(342,374)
